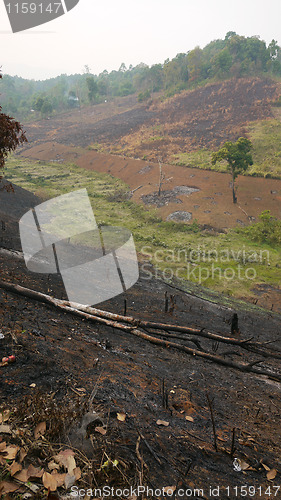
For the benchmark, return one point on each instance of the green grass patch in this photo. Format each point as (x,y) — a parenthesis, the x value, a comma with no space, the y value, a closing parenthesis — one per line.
(198,159)
(230,263)
(266,139)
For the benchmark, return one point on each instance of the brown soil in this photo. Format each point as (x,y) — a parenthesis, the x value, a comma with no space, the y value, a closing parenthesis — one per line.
(202,117)
(211,204)
(60,353)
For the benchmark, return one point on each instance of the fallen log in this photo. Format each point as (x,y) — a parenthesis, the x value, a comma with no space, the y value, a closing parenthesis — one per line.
(246,344)
(256,347)
(66,307)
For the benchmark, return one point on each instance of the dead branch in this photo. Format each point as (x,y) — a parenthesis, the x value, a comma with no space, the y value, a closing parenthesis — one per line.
(210,404)
(60,304)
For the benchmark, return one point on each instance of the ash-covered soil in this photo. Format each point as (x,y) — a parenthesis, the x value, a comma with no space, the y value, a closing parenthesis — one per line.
(64,355)
(202,117)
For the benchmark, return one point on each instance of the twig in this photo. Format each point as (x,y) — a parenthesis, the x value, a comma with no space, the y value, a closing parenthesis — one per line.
(213,422)
(232,443)
(148,446)
(142,462)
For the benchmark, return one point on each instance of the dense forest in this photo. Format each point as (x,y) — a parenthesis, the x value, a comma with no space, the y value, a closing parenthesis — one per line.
(235,56)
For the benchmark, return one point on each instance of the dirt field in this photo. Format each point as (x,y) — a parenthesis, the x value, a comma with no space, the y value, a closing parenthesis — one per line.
(211,204)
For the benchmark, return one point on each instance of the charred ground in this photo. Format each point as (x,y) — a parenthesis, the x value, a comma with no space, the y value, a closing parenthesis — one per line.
(88,366)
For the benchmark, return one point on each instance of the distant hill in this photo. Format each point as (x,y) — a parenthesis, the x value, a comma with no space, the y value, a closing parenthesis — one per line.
(234,56)
(204,117)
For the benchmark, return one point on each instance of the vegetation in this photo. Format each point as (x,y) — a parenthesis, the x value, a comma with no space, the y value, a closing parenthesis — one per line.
(232,263)
(268,230)
(11,136)
(265,137)
(238,157)
(93,88)
(144,96)
(233,56)
(266,152)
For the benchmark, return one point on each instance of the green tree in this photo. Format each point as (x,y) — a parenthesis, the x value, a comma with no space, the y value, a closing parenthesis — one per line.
(38,103)
(47,108)
(11,136)
(222,62)
(92,87)
(238,156)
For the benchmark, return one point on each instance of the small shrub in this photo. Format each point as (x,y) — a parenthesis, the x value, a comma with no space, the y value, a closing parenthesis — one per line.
(268,230)
(144,96)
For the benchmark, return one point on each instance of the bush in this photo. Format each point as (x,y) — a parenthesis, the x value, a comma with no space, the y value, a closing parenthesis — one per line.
(268,230)
(144,96)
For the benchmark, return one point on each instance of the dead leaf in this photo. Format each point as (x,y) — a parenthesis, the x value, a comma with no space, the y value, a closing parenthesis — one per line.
(77,473)
(49,481)
(69,480)
(190,419)
(101,430)
(169,490)
(14,468)
(2,446)
(60,478)
(243,464)
(8,487)
(5,429)
(121,417)
(4,416)
(162,422)
(23,454)
(266,467)
(271,474)
(52,465)
(39,430)
(11,452)
(22,476)
(66,458)
(34,471)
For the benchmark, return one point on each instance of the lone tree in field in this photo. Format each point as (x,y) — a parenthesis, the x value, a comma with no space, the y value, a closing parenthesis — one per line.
(238,156)
(11,136)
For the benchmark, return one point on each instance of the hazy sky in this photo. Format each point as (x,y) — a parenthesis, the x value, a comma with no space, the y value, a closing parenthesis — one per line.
(105,34)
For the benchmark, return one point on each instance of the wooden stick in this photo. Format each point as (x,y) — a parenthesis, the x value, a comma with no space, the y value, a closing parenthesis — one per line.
(60,304)
(213,422)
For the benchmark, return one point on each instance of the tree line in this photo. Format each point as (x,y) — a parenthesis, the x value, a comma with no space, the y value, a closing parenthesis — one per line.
(233,56)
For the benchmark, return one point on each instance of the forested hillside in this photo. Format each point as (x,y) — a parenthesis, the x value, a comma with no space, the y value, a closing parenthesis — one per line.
(234,56)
